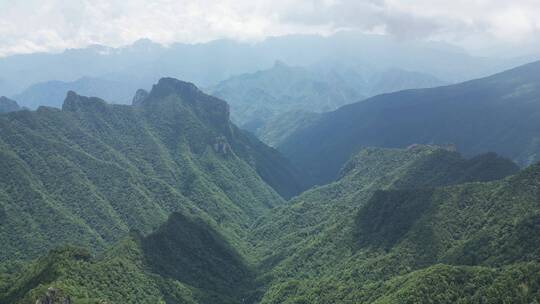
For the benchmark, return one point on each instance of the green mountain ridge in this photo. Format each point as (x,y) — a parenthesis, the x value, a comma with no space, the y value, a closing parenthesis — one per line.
(497,113)
(167,201)
(416,225)
(87,174)
(371,170)
(184,261)
(367,236)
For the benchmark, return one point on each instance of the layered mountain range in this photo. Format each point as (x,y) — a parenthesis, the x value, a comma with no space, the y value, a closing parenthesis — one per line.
(167,201)
(256,99)
(145,61)
(90,172)
(498,113)
(52,93)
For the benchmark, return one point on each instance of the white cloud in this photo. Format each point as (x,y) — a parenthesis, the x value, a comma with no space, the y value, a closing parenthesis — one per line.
(53,25)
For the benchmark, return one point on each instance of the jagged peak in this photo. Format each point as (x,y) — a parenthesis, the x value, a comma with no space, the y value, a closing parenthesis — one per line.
(188,94)
(170,85)
(75,102)
(139,97)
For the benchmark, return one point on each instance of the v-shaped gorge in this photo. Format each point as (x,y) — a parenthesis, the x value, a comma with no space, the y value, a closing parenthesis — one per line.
(89,173)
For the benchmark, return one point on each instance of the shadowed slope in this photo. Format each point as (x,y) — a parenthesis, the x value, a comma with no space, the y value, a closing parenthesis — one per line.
(499,113)
(184,261)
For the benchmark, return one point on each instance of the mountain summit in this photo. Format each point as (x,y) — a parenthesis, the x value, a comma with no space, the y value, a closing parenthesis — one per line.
(170,92)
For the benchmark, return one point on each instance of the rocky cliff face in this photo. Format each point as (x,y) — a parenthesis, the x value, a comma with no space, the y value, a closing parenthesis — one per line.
(139,97)
(169,91)
(75,102)
(54,296)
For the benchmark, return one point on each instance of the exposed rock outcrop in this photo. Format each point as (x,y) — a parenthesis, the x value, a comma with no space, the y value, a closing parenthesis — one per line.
(75,102)
(222,146)
(54,296)
(139,97)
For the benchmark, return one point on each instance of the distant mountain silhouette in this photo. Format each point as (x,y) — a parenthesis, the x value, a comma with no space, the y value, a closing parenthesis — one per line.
(7,105)
(208,63)
(498,113)
(52,93)
(260,97)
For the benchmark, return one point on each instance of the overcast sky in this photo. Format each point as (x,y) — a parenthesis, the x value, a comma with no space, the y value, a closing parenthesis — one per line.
(53,25)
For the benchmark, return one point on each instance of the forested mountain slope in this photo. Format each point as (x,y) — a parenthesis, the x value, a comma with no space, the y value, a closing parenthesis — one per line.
(184,261)
(417,225)
(375,236)
(499,113)
(277,129)
(87,174)
(370,170)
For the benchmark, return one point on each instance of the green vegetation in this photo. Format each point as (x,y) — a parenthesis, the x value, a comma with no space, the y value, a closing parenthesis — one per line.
(440,283)
(87,174)
(329,207)
(173,205)
(193,266)
(498,113)
(278,128)
(376,237)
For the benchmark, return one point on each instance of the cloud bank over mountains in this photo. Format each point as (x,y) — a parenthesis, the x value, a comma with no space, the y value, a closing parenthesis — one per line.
(53,25)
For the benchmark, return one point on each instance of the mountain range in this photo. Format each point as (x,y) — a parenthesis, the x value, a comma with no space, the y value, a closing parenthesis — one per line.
(400,225)
(425,195)
(260,101)
(206,64)
(498,113)
(53,93)
(417,225)
(89,173)
(257,99)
